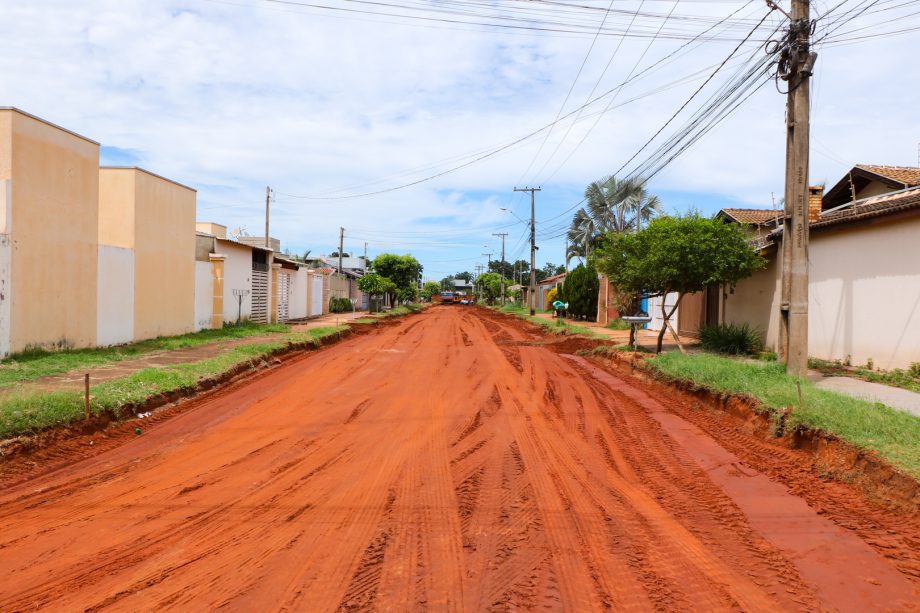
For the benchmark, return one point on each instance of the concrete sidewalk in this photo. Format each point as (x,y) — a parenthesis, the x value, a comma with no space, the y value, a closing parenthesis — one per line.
(895,397)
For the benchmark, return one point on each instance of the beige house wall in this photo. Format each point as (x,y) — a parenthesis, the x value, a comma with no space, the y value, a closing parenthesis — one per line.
(756,301)
(155,217)
(49,179)
(863,295)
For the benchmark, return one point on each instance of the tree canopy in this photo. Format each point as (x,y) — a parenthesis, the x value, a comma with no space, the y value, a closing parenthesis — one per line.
(682,254)
(403,270)
(430,288)
(580,291)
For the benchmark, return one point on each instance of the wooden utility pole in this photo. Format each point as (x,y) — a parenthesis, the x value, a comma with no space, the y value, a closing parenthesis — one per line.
(365,257)
(533,248)
(502,235)
(796,64)
(268,197)
(341,247)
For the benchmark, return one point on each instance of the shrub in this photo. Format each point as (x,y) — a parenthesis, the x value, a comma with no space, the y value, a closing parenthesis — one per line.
(914,370)
(551,296)
(731,338)
(340,305)
(580,290)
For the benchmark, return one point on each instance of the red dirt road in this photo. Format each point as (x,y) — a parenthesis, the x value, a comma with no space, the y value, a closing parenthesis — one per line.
(448,462)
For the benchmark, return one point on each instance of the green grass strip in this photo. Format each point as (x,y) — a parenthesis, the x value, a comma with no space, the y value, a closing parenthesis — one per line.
(893,434)
(31,411)
(37,363)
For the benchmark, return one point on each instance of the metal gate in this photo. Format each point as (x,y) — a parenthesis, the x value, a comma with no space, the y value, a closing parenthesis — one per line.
(259,296)
(284,296)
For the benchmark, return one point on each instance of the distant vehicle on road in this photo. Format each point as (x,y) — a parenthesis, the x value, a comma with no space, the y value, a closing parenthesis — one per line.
(446,297)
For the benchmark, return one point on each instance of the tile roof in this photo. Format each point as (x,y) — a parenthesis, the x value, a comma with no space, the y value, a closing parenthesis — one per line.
(753,216)
(908,175)
(876,206)
(551,279)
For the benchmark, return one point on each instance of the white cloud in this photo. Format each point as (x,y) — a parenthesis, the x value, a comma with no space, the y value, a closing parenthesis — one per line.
(231,96)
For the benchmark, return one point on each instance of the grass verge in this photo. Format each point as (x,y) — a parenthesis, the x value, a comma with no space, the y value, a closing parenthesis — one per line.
(32,411)
(893,434)
(905,379)
(37,363)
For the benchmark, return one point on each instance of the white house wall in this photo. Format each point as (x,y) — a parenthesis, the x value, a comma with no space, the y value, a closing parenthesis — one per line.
(204,295)
(654,309)
(237,275)
(298,303)
(115,296)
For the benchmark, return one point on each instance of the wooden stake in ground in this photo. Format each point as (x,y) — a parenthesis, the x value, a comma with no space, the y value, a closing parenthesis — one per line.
(86,396)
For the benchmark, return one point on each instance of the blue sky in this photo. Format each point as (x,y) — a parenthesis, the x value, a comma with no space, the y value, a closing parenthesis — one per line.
(229,97)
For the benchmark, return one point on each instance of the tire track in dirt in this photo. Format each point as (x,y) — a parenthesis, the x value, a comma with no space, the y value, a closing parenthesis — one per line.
(449,462)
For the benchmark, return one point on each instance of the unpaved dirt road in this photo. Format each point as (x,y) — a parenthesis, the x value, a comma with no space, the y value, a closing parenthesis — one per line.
(452,461)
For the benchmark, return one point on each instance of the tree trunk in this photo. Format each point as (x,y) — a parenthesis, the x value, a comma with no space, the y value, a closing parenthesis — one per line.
(667,322)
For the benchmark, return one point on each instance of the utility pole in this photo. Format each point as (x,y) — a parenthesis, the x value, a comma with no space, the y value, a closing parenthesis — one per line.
(796,65)
(502,235)
(365,257)
(341,247)
(533,248)
(268,197)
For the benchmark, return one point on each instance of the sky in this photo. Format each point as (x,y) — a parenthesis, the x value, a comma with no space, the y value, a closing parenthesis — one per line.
(374,123)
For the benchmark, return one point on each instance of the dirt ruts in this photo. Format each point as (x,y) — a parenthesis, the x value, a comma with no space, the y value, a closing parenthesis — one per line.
(449,462)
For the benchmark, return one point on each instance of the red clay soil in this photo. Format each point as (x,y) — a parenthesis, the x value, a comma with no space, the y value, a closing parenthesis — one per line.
(448,462)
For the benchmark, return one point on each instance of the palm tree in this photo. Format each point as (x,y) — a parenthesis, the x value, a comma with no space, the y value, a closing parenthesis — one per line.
(610,206)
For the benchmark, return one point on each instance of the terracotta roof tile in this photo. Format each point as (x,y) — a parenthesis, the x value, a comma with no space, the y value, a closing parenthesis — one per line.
(875,206)
(908,175)
(753,216)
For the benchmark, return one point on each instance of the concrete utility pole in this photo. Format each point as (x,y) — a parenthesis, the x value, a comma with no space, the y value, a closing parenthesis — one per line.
(365,258)
(533,248)
(268,197)
(341,246)
(796,65)
(502,235)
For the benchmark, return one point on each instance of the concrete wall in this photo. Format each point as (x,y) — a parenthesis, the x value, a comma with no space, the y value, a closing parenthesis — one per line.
(115,315)
(298,306)
(50,179)
(204,295)
(237,275)
(864,294)
(756,301)
(156,218)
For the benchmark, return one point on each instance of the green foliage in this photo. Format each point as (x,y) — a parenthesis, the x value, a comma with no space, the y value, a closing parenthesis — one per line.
(447,284)
(580,291)
(679,254)
(340,305)
(551,296)
(407,294)
(430,288)
(491,285)
(908,379)
(403,270)
(373,284)
(731,338)
(914,370)
(618,324)
(894,434)
(466,276)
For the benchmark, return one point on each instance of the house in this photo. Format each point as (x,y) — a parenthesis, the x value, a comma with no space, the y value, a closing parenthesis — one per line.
(544,287)
(237,277)
(463,286)
(146,259)
(864,272)
(49,213)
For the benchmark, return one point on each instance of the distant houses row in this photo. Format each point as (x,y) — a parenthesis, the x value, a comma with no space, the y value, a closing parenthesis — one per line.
(101,256)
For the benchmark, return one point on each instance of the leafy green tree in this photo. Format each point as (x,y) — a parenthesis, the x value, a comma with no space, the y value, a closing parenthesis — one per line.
(335,254)
(402,270)
(490,283)
(375,286)
(430,288)
(580,291)
(505,269)
(466,276)
(447,284)
(682,254)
